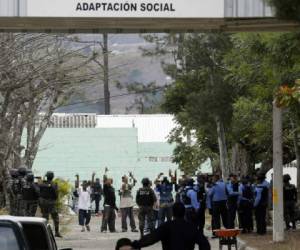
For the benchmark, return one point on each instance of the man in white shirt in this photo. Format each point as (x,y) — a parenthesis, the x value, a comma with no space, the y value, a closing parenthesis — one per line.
(126,203)
(84,205)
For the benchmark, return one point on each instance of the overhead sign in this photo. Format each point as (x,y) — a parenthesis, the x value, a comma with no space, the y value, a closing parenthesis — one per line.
(126,8)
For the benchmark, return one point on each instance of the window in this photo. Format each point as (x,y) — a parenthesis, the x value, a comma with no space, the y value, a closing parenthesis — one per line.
(36,236)
(8,240)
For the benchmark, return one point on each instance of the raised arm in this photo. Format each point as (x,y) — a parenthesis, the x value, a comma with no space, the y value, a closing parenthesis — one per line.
(77,181)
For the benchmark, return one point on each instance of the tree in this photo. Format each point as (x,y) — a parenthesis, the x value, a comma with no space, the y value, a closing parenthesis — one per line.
(37,74)
(259,64)
(286,9)
(201,98)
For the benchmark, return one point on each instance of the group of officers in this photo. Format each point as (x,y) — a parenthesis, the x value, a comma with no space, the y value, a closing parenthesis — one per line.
(225,200)
(26,194)
(237,197)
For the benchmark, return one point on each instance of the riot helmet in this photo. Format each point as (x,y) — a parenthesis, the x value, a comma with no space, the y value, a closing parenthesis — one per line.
(50,175)
(22,171)
(13,173)
(145,182)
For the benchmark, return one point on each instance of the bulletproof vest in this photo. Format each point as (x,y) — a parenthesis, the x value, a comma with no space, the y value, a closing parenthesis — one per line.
(17,185)
(29,192)
(289,192)
(264,196)
(185,199)
(247,192)
(48,191)
(146,197)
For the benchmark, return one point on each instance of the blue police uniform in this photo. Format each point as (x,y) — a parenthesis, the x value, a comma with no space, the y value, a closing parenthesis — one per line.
(233,194)
(260,206)
(245,203)
(218,196)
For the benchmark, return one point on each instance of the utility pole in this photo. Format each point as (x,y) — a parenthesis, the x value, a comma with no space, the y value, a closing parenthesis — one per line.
(278,223)
(106,77)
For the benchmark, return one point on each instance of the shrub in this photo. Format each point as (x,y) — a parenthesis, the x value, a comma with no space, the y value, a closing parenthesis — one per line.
(64,189)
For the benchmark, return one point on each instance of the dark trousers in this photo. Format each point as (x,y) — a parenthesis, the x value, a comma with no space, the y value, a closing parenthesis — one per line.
(219,210)
(84,217)
(127,212)
(48,208)
(246,216)
(29,208)
(146,213)
(155,218)
(232,208)
(289,214)
(201,217)
(97,199)
(163,213)
(191,216)
(108,219)
(260,218)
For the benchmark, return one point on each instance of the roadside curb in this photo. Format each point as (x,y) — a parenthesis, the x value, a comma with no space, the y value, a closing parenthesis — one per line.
(242,245)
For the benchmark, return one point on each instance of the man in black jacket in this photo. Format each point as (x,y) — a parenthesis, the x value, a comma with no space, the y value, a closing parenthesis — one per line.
(177,234)
(109,215)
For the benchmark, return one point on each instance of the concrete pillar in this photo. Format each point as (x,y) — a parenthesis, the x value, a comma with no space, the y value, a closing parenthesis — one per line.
(278,223)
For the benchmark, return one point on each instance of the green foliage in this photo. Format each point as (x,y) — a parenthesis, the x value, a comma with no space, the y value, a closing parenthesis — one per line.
(287,9)
(64,189)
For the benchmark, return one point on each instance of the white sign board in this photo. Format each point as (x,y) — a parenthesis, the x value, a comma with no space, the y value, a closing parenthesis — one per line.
(126,8)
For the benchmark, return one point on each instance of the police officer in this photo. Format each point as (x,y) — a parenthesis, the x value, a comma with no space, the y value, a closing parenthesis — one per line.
(245,205)
(30,195)
(289,201)
(201,196)
(261,204)
(218,196)
(233,194)
(18,184)
(48,198)
(145,199)
(13,188)
(191,203)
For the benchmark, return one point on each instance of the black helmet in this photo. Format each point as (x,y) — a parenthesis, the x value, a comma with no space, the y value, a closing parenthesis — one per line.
(22,171)
(145,181)
(14,173)
(50,175)
(30,177)
(261,177)
(286,178)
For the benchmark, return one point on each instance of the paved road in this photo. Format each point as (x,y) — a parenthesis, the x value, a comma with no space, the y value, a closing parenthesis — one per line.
(95,240)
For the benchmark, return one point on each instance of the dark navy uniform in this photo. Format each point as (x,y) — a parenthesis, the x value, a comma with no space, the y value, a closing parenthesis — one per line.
(246,206)
(145,199)
(30,195)
(47,201)
(289,202)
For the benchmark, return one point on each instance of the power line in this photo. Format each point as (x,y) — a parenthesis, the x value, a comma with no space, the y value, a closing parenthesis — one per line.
(158,89)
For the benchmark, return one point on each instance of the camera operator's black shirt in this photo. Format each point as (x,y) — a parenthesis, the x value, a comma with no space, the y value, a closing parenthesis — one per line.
(175,235)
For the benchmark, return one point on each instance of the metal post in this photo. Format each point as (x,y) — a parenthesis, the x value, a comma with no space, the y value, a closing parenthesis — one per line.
(278,223)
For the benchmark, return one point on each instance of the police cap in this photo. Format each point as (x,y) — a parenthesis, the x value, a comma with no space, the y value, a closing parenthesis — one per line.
(190,182)
(145,181)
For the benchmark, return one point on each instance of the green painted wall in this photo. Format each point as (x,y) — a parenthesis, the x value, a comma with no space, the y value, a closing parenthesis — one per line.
(68,151)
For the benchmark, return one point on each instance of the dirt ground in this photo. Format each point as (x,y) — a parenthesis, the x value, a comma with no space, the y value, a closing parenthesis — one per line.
(292,241)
